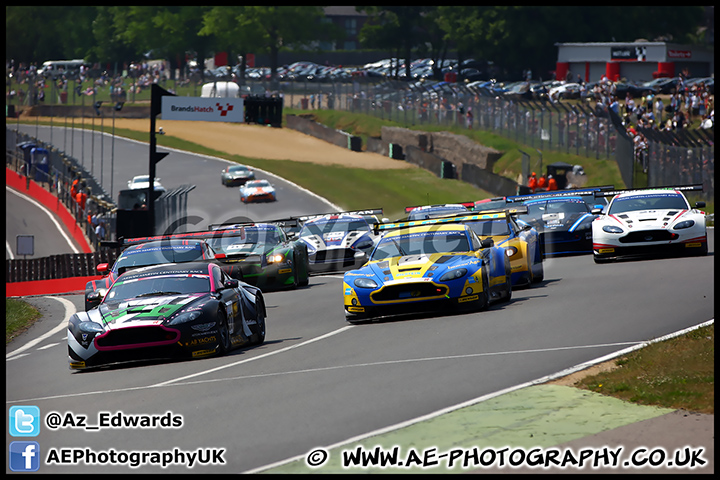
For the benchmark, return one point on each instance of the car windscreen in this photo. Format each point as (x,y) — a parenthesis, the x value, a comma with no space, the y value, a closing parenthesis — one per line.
(157,285)
(332,226)
(157,255)
(435,212)
(258,184)
(251,236)
(491,205)
(487,228)
(422,243)
(651,201)
(538,209)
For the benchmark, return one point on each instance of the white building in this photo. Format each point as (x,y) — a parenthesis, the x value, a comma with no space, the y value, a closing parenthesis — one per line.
(634,61)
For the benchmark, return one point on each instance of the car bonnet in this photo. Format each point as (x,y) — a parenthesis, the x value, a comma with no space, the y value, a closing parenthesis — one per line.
(650,219)
(146,311)
(417,267)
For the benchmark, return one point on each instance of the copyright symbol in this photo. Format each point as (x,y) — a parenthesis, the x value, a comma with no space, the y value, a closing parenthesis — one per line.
(316,458)
(53,420)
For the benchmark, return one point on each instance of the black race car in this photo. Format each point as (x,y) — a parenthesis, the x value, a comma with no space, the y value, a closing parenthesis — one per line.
(143,252)
(186,310)
(564,223)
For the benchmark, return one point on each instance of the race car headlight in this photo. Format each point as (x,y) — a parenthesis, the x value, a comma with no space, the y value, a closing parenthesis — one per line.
(275,258)
(185,317)
(684,224)
(510,251)
(90,327)
(453,274)
(365,283)
(97,295)
(612,229)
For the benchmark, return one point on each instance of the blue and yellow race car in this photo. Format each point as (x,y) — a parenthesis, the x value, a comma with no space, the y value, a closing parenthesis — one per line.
(520,240)
(422,265)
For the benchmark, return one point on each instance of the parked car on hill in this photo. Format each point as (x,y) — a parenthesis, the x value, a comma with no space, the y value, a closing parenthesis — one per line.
(663,86)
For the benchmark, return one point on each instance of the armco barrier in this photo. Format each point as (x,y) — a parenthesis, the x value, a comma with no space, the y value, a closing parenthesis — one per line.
(58,286)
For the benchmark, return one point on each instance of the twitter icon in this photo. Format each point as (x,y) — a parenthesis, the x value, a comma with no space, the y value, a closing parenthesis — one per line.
(24,421)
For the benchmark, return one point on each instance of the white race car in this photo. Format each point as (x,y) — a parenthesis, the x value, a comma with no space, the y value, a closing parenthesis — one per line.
(338,242)
(649,222)
(142,182)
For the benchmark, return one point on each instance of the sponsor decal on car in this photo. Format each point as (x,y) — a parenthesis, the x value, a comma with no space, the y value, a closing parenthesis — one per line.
(202,353)
(200,341)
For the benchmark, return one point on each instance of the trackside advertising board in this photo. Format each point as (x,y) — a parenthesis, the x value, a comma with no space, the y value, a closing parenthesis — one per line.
(203,109)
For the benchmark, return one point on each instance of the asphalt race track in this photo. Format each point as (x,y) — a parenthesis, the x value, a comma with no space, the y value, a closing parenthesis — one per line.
(317,381)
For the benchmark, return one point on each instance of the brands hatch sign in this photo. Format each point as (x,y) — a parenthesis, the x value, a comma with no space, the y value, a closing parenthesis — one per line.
(203,109)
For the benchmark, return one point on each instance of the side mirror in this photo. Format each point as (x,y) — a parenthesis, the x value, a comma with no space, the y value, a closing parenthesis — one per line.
(94,297)
(699,204)
(102,267)
(220,255)
(231,283)
(487,242)
(596,211)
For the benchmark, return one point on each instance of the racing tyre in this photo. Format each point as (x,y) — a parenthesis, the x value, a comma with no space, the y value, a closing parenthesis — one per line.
(223,333)
(508,280)
(484,302)
(702,251)
(305,273)
(541,274)
(258,337)
(296,280)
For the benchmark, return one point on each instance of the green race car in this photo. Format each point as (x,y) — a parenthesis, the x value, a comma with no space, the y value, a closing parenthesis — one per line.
(264,253)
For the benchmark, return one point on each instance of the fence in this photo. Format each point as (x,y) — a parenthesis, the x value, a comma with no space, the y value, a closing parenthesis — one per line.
(52,169)
(670,158)
(58,266)
(581,128)
(56,171)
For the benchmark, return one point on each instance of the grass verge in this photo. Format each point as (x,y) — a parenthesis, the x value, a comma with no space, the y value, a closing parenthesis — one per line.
(19,316)
(677,373)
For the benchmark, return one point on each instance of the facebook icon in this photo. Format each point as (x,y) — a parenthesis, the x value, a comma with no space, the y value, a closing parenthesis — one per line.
(24,456)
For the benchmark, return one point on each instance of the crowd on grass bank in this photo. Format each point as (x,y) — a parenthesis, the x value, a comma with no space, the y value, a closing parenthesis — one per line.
(136,77)
(686,107)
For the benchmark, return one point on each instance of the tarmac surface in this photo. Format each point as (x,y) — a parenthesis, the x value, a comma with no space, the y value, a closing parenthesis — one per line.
(521,430)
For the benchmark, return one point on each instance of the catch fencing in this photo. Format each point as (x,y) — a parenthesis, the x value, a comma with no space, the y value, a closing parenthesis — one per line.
(55,171)
(585,129)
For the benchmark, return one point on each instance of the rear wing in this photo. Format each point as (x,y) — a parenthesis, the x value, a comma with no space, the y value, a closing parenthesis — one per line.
(561,193)
(682,188)
(305,218)
(199,235)
(469,205)
(458,218)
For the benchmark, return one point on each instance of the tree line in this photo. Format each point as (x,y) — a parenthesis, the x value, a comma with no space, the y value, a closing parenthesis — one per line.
(514,38)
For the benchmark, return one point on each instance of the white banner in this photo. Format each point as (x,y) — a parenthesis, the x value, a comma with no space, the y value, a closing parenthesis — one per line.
(203,109)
